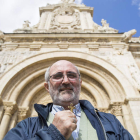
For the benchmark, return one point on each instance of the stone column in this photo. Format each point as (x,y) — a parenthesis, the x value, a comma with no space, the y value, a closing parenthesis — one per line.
(116,109)
(13,121)
(9,109)
(23,113)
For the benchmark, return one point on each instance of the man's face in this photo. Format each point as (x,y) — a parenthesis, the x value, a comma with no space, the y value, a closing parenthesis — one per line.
(67,89)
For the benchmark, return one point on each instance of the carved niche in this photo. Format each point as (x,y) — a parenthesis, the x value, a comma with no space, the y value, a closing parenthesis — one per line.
(65,17)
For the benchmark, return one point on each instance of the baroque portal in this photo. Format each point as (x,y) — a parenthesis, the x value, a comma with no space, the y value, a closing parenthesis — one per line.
(109,63)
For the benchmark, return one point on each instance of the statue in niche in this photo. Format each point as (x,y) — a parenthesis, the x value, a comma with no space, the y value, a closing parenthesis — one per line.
(135,75)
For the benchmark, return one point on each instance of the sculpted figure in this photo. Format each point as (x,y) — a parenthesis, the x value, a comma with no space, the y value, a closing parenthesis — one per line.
(67,118)
(104,23)
(127,35)
(26,25)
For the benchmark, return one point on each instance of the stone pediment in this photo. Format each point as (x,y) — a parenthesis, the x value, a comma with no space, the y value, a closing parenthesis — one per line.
(66,17)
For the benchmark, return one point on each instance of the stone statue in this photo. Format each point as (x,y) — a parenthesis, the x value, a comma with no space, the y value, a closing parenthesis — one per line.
(105,27)
(104,23)
(127,35)
(26,25)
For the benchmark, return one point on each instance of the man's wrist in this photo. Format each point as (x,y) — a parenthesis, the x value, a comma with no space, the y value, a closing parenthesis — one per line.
(56,133)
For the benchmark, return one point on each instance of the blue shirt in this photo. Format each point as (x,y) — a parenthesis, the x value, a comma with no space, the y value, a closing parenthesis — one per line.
(76,111)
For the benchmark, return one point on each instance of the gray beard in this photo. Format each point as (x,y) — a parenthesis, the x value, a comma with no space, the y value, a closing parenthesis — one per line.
(61,98)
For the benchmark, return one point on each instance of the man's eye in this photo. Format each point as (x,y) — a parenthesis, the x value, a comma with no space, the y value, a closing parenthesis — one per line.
(72,75)
(57,76)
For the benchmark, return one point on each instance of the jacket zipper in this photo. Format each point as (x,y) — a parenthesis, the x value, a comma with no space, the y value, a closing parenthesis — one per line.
(101,125)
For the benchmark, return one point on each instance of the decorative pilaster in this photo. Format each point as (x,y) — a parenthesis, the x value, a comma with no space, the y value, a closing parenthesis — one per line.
(23,113)
(9,109)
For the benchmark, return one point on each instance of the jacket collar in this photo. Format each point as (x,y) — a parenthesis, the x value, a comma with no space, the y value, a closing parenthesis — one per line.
(43,110)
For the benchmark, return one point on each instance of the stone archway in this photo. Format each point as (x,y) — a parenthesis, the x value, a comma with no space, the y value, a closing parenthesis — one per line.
(22,85)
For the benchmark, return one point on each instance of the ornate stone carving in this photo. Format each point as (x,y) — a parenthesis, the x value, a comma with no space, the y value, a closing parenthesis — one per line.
(23,113)
(127,35)
(135,73)
(65,17)
(9,108)
(116,108)
(102,40)
(9,58)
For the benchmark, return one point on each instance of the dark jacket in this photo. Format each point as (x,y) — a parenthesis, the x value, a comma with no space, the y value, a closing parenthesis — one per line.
(36,128)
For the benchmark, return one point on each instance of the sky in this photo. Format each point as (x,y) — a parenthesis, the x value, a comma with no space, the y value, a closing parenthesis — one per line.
(123,15)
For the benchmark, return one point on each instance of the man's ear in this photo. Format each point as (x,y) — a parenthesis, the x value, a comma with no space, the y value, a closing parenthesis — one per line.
(46,86)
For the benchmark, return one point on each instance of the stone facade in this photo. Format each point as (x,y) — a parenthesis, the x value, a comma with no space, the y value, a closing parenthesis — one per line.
(109,63)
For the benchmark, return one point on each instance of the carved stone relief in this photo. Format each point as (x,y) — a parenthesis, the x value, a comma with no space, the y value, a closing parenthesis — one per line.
(9,108)
(135,73)
(116,109)
(23,113)
(65,17)
(7,59)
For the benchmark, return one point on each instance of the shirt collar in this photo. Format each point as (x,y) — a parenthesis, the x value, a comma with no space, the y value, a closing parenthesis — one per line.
(57,108)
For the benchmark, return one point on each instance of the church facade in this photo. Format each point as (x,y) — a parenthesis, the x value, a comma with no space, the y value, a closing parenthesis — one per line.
(109,63)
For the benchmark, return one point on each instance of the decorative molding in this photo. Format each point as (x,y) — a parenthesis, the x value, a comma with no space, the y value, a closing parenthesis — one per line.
(61,46)
(93,47)
(132,99)
(35,47)
(9,107)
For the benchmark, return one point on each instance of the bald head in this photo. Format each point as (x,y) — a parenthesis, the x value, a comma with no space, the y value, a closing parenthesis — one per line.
(60,63)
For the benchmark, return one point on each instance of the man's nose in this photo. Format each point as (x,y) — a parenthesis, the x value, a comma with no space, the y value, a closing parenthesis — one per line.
(65,79)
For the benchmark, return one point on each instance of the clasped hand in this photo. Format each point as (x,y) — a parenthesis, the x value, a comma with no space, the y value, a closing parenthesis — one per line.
(66,122)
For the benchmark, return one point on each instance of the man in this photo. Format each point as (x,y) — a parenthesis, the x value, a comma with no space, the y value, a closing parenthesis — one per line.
(56,122)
